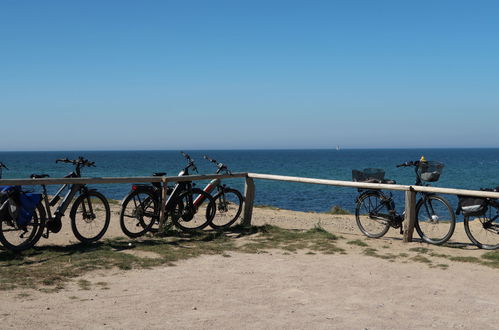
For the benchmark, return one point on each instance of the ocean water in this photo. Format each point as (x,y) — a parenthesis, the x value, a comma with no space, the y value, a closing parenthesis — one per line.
(464,168)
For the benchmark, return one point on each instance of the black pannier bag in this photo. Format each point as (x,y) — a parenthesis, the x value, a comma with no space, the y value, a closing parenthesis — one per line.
(472,206)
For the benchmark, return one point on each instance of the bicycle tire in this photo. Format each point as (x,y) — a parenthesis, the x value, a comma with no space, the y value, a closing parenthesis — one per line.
(188,219)
(136,206)
(228,204)
(437,227)
(483,230)
(368,223)
(88,211)
(37,223)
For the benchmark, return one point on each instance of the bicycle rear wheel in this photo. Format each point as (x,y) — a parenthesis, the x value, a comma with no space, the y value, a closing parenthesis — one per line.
(483,230)
(90,216)
(229,204)
(435,219)
(371,215)
(17,238)
(193,216)
(138,213)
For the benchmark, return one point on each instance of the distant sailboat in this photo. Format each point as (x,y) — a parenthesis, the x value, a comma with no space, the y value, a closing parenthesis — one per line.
(337,148)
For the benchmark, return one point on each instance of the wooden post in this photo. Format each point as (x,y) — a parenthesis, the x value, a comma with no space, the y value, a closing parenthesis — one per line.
(410,214)
(164,196)
(249,197)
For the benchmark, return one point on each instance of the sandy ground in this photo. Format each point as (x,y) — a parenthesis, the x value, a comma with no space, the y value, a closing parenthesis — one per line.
(274,290)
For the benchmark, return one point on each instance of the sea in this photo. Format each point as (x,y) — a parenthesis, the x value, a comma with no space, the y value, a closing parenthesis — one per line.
(464,168)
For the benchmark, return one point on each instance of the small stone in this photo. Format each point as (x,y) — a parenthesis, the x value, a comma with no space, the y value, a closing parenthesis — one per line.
(194,308)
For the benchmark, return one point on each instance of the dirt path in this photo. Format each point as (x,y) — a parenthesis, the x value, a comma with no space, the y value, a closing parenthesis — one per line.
(275,290)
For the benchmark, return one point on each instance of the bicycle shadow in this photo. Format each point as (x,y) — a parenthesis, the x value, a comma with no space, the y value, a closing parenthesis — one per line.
(177,239)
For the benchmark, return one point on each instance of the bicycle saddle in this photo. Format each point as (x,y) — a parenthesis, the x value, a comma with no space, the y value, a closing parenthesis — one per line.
(159,174)
(39,176)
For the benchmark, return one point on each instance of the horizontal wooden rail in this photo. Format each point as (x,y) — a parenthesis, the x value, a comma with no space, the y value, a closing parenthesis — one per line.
(364,185)
(328,182)
(138,179)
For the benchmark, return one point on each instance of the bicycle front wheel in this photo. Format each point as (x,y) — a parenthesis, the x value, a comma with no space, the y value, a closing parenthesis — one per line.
(372,215)
(483,230)
(193,213)
(435,219)
(17,238)
(139,212)
(90,216)
(229,203)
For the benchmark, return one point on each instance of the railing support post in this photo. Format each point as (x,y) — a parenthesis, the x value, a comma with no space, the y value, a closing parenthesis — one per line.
(249,197)
(410,214)
(164,196)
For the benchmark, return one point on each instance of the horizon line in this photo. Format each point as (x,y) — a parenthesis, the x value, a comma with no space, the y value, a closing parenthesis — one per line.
(250,149)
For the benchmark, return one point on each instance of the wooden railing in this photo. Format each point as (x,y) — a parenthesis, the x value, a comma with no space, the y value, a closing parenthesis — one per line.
(249,191)
(410,193)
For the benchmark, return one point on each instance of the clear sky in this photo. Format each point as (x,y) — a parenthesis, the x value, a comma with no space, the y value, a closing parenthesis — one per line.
(248,74)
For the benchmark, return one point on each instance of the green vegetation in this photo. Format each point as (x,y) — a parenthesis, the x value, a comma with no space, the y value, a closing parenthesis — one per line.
(358,242)
(420,258)
(337,210)
(420,250)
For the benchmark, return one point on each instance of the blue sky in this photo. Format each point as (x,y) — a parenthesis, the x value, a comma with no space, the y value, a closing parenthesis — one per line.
(248,74)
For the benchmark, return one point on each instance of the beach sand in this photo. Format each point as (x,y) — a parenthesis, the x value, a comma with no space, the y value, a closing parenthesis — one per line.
(276,290)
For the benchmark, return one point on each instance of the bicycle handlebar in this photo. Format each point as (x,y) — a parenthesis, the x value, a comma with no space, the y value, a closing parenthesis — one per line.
(221,166)
(190,162)
(411,163)
(79,162)
(210,159)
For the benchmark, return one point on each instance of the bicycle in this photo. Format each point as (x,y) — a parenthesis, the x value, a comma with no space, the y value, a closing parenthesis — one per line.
(481,219)
(90,213)
(21,217)
(375,210)
(228,201)
(140,208)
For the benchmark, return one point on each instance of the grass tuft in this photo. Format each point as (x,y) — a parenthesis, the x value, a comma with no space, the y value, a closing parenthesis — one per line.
(358,242)
(337,210)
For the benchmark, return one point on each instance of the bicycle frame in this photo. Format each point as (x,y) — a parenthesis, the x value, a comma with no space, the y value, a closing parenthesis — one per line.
(59,213)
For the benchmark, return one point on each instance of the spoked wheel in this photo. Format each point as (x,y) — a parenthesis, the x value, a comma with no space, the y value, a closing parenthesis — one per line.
(372,215)
(435,219)
(193,216)
(139,212)
(18,238)
(90,216)
(229,204)
(483,230)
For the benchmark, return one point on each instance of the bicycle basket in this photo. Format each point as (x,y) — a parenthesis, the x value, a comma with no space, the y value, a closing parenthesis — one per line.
(368,174)
(430,170)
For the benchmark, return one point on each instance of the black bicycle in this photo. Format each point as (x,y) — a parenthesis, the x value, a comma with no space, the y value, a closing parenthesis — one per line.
(90,213)
(481,219)
(228,201)
(375,210)
(189,208)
